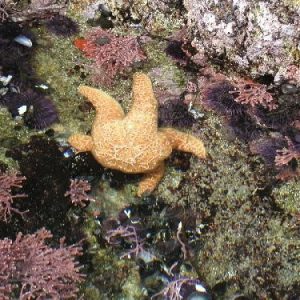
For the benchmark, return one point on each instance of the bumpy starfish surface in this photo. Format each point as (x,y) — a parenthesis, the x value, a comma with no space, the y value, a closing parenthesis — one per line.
(132,143)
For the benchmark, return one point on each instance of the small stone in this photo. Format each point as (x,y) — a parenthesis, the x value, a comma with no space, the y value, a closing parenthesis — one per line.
(103,40)
(289,89)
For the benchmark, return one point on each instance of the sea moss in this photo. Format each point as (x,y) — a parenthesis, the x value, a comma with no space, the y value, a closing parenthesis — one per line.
(60,65)
(12,133)
(114,194)
(114,278)
(228,176)
(158,17)
(253,253)
(287,197)
(109,277)
(158,58)
(243,250)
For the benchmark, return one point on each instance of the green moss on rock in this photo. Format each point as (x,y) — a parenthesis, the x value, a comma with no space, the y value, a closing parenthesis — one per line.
(110,277)
(12,133)
(157,17)
(228,178)
(287,197)
(248,250)
(60,65)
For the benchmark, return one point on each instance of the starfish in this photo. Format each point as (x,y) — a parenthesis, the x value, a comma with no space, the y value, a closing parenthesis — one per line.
(133,143)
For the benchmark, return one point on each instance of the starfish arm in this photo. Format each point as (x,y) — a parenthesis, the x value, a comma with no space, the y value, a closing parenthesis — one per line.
(81,142)
(143,99)
(184,142)
(107,108)
(150,180)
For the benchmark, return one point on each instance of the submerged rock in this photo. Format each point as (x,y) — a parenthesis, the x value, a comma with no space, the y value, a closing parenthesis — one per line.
(259,37)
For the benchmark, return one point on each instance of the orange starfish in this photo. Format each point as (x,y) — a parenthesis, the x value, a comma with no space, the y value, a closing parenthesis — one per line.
(133,143)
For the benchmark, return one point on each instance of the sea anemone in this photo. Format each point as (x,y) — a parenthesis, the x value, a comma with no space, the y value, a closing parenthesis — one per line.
(217,97)
(174,113)
(267,148)
(37,110)
(175,50)
(244,128)
(62,26)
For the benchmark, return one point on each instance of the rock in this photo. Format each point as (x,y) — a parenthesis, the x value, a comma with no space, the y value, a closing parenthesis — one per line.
(257,37)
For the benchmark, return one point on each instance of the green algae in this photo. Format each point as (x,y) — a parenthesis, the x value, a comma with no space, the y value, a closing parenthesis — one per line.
(149,13)
(111,277)
(158,58)
(60,65)
(228,176)
(112,201)
(250,250)
(293,4)
(55,62)
(226,191)
(245,240)
(287,197)
(285,249)
(12,134)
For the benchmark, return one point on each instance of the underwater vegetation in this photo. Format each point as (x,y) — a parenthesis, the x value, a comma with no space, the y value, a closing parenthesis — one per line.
(180,288)
(32,269)
(111,54)
(41,161)
(285,155)
(160,240)
(78,192)
(9,181)
(255,116)
(247,92)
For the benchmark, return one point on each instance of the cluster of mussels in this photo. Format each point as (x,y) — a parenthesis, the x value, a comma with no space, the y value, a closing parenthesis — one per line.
(162,240)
